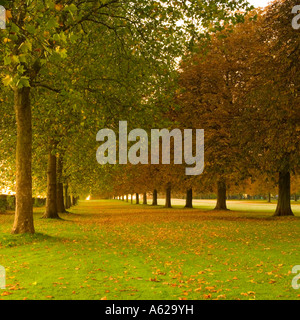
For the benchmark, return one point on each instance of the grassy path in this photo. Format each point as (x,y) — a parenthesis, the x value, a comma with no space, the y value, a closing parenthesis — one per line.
(114,250)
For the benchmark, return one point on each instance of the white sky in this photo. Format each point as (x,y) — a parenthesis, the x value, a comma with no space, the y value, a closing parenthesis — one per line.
(259,3)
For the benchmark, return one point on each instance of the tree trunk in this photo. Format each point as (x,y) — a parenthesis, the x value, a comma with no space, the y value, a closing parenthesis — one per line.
(221,196)
(51,204)
(269,197)
(154,200)
(168,196)
(284,196)
(137,198)
(131,198)
(145,198)
(66,197)
(60,187)
(60,199)
(23,222)
(127,198)
(189,198)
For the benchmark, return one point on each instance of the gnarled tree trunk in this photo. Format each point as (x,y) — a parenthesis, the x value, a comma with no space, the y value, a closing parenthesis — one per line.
(23,222)
(284,196)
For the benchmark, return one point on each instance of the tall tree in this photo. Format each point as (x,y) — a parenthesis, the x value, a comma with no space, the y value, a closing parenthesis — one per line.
(210,81)
(39,31)
(270,105)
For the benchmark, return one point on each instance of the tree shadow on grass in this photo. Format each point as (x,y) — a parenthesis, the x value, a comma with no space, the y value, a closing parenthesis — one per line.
(16,240)
(234,215)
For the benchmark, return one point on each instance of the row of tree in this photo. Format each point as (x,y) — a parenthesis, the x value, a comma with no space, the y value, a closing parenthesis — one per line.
(242,87)
(72,67)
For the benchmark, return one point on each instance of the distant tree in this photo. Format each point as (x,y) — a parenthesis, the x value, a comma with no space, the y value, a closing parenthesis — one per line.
(210,83)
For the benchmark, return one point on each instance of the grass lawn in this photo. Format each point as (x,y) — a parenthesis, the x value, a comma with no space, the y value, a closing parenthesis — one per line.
(114,250)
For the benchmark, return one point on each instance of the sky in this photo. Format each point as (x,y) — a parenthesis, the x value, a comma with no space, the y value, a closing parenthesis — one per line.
(259,3)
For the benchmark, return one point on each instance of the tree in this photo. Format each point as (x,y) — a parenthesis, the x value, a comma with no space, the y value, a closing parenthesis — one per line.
(60,186)
(38,34)
(210,82)
(24,54)
(271,101)
(189,198)
(51,204)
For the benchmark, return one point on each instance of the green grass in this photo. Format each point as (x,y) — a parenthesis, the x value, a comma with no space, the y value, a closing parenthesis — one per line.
(114,250)
(261,206)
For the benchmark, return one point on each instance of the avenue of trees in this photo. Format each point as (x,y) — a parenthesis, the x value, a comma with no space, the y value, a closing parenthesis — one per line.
(71,68)
(242,88)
